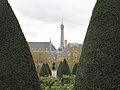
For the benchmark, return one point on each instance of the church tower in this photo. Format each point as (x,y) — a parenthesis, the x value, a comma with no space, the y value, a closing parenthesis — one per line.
(62,38)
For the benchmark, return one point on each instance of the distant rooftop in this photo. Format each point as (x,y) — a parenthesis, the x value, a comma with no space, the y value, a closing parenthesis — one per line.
(46,45)
(70,45)
(49,47)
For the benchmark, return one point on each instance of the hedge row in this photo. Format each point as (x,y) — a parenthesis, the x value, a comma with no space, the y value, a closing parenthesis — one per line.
(17,69)
(99,66)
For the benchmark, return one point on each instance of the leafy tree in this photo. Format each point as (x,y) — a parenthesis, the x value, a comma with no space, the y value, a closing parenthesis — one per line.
(49,70)
(99,66)
(64,69)
(58,71)
(73,56)
(17,69)
(74,69)
(44,70)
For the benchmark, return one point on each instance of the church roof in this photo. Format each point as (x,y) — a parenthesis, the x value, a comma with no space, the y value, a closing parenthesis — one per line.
(44,45)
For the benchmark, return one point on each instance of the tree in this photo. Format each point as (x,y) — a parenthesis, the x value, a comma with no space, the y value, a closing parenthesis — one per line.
(17,69)
(74,69)
(73,56)
(58,71)
(64,69)
(44,70)
(99,66)
(49,70)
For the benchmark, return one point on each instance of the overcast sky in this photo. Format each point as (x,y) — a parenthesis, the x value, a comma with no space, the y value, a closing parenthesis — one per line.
(40,20)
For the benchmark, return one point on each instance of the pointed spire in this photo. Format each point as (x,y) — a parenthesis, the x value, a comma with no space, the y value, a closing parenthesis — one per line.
(50,41)
(50,45)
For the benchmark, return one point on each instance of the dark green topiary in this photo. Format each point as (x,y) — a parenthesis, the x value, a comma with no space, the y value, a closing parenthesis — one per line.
(49,70)
(58,71)
(64,69)
(17,69)
(44,70)
(99,67)
(74,69)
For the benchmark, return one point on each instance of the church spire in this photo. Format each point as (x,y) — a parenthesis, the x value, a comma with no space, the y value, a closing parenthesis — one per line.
(50,40)
(50,45)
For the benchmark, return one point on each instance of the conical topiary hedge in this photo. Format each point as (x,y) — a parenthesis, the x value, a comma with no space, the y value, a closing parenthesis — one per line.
(44,70)
(99,66)
(58,71)
(64,69)
(48,67)
(74,69)
(17,69)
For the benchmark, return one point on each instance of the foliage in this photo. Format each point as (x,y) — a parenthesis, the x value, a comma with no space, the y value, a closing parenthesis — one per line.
(50,83)
(47,81)
(49,70)
(58,71)
(69,79)
(64,69)
(17,69)
(41,56)
(99,66)
(65,87)
(74,69)
(44,70)
(73,56)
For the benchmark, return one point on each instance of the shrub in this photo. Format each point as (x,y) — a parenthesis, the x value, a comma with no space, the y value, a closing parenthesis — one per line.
(51,83)
(74,69)
(48,82)
(44,70)
(64,69)
(99,66)
(49,70)
(58,71)
(17,69)
(69,79)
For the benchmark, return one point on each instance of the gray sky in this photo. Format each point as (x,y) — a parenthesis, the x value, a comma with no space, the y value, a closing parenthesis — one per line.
(40,20)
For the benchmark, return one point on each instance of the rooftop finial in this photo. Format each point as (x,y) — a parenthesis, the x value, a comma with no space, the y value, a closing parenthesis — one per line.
(50,40)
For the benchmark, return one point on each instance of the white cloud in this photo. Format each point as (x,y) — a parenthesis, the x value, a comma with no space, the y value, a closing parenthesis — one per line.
(40,19)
